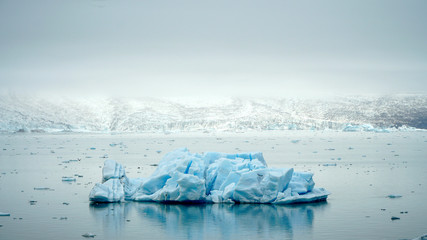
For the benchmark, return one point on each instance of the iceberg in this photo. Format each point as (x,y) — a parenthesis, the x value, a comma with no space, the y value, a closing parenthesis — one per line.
(211,177)
(88,235)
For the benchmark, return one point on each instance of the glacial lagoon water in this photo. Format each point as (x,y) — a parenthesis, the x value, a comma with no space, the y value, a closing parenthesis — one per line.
(360,169)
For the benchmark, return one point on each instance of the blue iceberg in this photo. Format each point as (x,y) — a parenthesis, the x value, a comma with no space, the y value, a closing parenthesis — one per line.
(211,177)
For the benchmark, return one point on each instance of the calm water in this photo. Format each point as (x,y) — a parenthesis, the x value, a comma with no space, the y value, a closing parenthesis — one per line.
(369,166)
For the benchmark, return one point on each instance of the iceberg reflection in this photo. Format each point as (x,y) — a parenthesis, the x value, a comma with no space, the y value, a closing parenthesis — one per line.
(211,221)
(112,215)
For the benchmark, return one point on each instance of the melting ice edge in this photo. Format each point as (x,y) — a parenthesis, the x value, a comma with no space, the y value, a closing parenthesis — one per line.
(211,177)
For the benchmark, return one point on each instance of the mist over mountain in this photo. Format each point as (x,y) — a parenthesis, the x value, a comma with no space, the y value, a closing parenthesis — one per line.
(51,114)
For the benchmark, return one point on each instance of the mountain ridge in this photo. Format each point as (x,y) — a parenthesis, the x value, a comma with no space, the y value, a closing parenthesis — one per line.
(50,114)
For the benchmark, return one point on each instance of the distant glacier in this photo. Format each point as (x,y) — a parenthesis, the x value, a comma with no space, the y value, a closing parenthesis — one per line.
(356,113)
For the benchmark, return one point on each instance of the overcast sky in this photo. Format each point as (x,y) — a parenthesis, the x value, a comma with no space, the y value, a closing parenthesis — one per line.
(244,48)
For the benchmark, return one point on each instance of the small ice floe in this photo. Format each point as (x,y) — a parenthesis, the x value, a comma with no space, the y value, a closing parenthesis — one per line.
(423,237)
(394,196)
(329,164)
(68,179)
(88,235)
(43,189)
(74,160)
(3,214)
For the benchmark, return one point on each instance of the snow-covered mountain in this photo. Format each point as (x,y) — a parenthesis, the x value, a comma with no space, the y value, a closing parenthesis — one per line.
(32,113)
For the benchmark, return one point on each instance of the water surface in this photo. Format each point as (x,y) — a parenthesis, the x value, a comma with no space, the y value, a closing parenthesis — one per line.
(369,166)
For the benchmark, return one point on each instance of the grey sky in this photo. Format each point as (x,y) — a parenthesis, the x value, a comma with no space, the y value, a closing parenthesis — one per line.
(260,48)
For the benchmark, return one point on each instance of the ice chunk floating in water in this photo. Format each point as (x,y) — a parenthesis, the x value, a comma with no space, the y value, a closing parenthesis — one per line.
(212,177)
